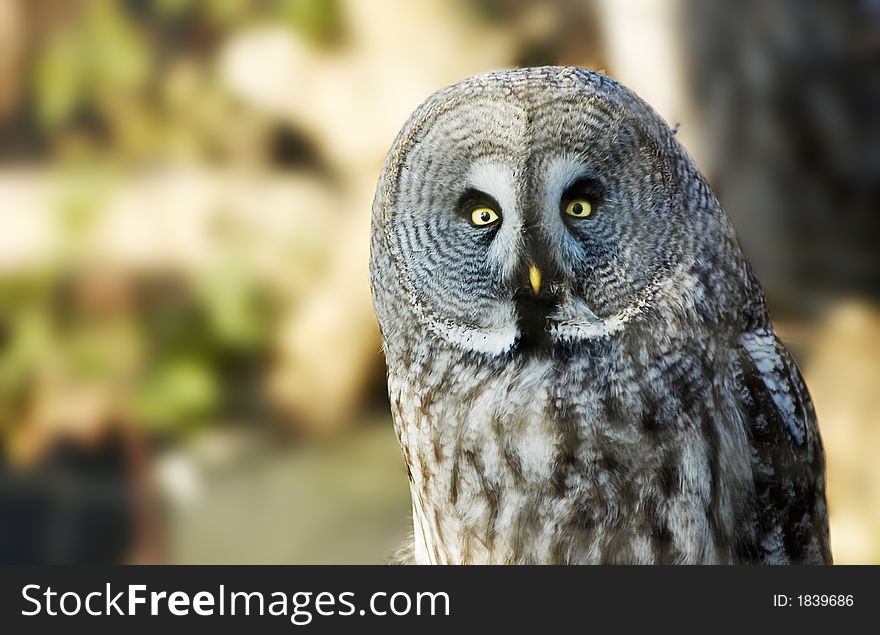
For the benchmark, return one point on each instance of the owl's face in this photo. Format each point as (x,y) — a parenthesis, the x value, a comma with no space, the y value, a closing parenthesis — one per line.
(533,212)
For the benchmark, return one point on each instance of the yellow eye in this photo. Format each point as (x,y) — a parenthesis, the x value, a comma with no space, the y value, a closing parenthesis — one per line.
(579,208)
(482,216)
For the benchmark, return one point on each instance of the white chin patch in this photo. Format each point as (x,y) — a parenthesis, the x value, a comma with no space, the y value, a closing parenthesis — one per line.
(578,322)
(496,338)
(488,342)
(583,330)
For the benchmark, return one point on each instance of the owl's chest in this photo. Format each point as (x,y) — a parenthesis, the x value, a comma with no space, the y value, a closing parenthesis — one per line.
(525,465)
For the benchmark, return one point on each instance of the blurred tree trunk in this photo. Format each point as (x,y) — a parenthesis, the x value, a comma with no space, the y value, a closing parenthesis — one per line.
(789,93)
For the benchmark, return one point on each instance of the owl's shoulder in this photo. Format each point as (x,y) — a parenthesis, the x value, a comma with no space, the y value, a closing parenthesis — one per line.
(790,523)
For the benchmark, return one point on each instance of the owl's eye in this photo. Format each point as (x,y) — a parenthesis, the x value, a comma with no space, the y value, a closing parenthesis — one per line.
(579,208)
(582,198)
(484,216)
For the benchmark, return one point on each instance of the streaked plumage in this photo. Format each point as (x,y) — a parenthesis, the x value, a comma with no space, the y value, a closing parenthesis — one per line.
(636,408)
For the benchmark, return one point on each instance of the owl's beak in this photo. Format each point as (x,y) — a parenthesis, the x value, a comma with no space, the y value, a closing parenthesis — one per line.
(535,278)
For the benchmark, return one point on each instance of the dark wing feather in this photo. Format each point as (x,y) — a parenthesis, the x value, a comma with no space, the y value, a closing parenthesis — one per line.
(789,520)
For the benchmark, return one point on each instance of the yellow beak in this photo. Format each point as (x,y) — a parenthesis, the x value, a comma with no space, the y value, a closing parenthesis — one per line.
(535,279)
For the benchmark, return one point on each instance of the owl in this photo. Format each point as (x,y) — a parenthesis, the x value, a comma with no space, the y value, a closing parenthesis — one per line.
(581,367)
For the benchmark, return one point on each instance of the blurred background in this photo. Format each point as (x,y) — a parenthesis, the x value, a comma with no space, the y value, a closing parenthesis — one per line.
(189,364)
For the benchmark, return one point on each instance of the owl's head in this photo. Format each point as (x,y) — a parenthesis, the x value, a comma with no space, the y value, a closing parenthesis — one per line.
(541,208)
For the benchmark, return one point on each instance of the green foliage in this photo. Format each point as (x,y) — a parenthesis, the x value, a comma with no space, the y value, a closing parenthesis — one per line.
(318,19)
(109,94)
(28,341)
(175,392)
(105,70)
(236,308)
(100,57)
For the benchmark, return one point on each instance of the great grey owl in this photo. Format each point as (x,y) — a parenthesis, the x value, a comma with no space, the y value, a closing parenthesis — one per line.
(581,367)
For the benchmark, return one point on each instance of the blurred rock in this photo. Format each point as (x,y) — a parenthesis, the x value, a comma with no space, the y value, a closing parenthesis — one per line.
(329,347)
